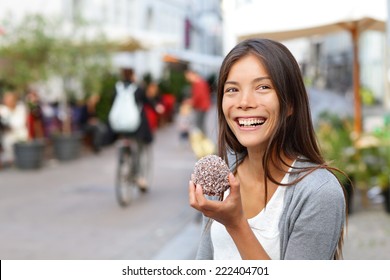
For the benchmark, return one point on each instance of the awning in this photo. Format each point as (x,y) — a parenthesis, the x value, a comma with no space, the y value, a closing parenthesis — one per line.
(136,40)
(185,56)
(360,24)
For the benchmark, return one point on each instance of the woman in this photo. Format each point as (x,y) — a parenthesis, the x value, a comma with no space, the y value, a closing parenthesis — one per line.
(284,202)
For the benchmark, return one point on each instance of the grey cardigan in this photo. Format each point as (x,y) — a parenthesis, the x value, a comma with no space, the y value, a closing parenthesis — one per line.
(311,222)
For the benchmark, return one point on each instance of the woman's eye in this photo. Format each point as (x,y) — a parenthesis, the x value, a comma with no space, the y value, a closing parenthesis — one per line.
(230,90)
(263,87)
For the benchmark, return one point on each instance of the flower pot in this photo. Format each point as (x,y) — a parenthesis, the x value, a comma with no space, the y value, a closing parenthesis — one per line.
(386,201)
(29,155)
(67,147)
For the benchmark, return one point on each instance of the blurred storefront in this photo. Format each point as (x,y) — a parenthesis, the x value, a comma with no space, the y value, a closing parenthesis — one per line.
(143,30)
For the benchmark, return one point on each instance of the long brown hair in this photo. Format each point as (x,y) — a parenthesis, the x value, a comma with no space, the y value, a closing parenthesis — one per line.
(294,135)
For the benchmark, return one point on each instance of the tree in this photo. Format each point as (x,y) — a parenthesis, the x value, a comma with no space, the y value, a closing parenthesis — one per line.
(38,49)
(25,50)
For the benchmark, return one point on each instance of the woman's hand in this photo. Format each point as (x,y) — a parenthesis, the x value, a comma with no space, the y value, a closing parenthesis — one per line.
(228,212)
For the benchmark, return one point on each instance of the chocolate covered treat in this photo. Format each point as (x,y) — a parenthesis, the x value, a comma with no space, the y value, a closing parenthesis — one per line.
(212,172)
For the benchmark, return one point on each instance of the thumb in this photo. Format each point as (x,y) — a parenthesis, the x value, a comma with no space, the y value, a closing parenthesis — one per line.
(234,184)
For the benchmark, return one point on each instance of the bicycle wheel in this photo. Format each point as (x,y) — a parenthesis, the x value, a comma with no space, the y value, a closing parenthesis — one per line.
(124,184)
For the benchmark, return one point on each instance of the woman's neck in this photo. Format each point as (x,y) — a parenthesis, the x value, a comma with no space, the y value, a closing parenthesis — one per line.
(254,164)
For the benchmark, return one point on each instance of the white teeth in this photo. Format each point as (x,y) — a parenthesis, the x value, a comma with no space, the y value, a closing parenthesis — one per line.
(251,122)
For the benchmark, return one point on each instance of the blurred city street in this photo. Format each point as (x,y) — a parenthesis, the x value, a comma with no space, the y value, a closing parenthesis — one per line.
(59,76)
(68,210)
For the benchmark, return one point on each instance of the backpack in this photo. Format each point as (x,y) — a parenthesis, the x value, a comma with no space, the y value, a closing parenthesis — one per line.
(125,114)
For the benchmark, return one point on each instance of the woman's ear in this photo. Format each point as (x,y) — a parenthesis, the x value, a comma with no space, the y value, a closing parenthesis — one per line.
(290,111)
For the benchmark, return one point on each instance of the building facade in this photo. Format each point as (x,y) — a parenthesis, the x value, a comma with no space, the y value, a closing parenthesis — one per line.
(326,59)
(185,27)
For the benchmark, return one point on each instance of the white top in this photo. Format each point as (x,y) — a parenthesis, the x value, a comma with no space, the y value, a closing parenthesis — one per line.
(264,226)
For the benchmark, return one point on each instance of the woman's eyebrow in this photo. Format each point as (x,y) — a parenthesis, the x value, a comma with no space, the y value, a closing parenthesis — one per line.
(231,82)
(259,79)
(256,80)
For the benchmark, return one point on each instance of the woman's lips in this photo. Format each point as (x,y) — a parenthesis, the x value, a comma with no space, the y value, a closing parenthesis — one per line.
(251,121)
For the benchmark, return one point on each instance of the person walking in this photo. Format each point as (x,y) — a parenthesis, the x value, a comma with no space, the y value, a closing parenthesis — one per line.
(200,98)
(90,123)
(284,200)
(154,107)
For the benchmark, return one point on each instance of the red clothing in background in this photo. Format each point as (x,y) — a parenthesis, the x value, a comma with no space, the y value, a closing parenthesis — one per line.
(201,99)
(152,117)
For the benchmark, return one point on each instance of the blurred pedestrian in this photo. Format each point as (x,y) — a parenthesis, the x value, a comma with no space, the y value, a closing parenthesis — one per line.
(142,134)
(13,114)
(200,99)
(184,122)
(92,127)
(154,107)
(2,128)
(284,201)
(35,121)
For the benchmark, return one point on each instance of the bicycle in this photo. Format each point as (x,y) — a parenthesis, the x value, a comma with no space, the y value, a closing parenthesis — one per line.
(133,158)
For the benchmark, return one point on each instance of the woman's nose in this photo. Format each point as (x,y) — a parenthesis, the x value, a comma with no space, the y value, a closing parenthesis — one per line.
(246,101)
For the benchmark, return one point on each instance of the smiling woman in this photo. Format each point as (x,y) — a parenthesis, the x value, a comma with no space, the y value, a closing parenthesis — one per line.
(250,103)
(284,202)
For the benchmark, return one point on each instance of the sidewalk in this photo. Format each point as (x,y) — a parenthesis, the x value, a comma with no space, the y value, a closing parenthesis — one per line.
(367,238)
(68,210)
(368,234)
(183,246)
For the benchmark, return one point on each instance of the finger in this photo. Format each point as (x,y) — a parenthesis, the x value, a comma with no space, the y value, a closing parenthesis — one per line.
(205,204)
(200,198)
(191,195)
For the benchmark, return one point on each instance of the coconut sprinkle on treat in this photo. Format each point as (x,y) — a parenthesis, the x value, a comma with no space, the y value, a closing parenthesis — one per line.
(212,172)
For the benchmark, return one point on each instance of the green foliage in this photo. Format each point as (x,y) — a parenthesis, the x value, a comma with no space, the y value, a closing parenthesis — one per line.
(106,96)
(174,84)
(383,151)
(365,159)
(334,136)
(367,96)
(37,49)
(25,51)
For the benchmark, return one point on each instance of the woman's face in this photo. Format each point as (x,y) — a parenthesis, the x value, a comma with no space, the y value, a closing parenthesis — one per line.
(250,103)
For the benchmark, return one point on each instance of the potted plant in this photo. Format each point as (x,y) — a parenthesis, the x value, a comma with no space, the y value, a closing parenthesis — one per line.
(81,64)
(29,154)
(374,154)
(384,183)
(24,51)
(334,135)
(38,49)
(383,135)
